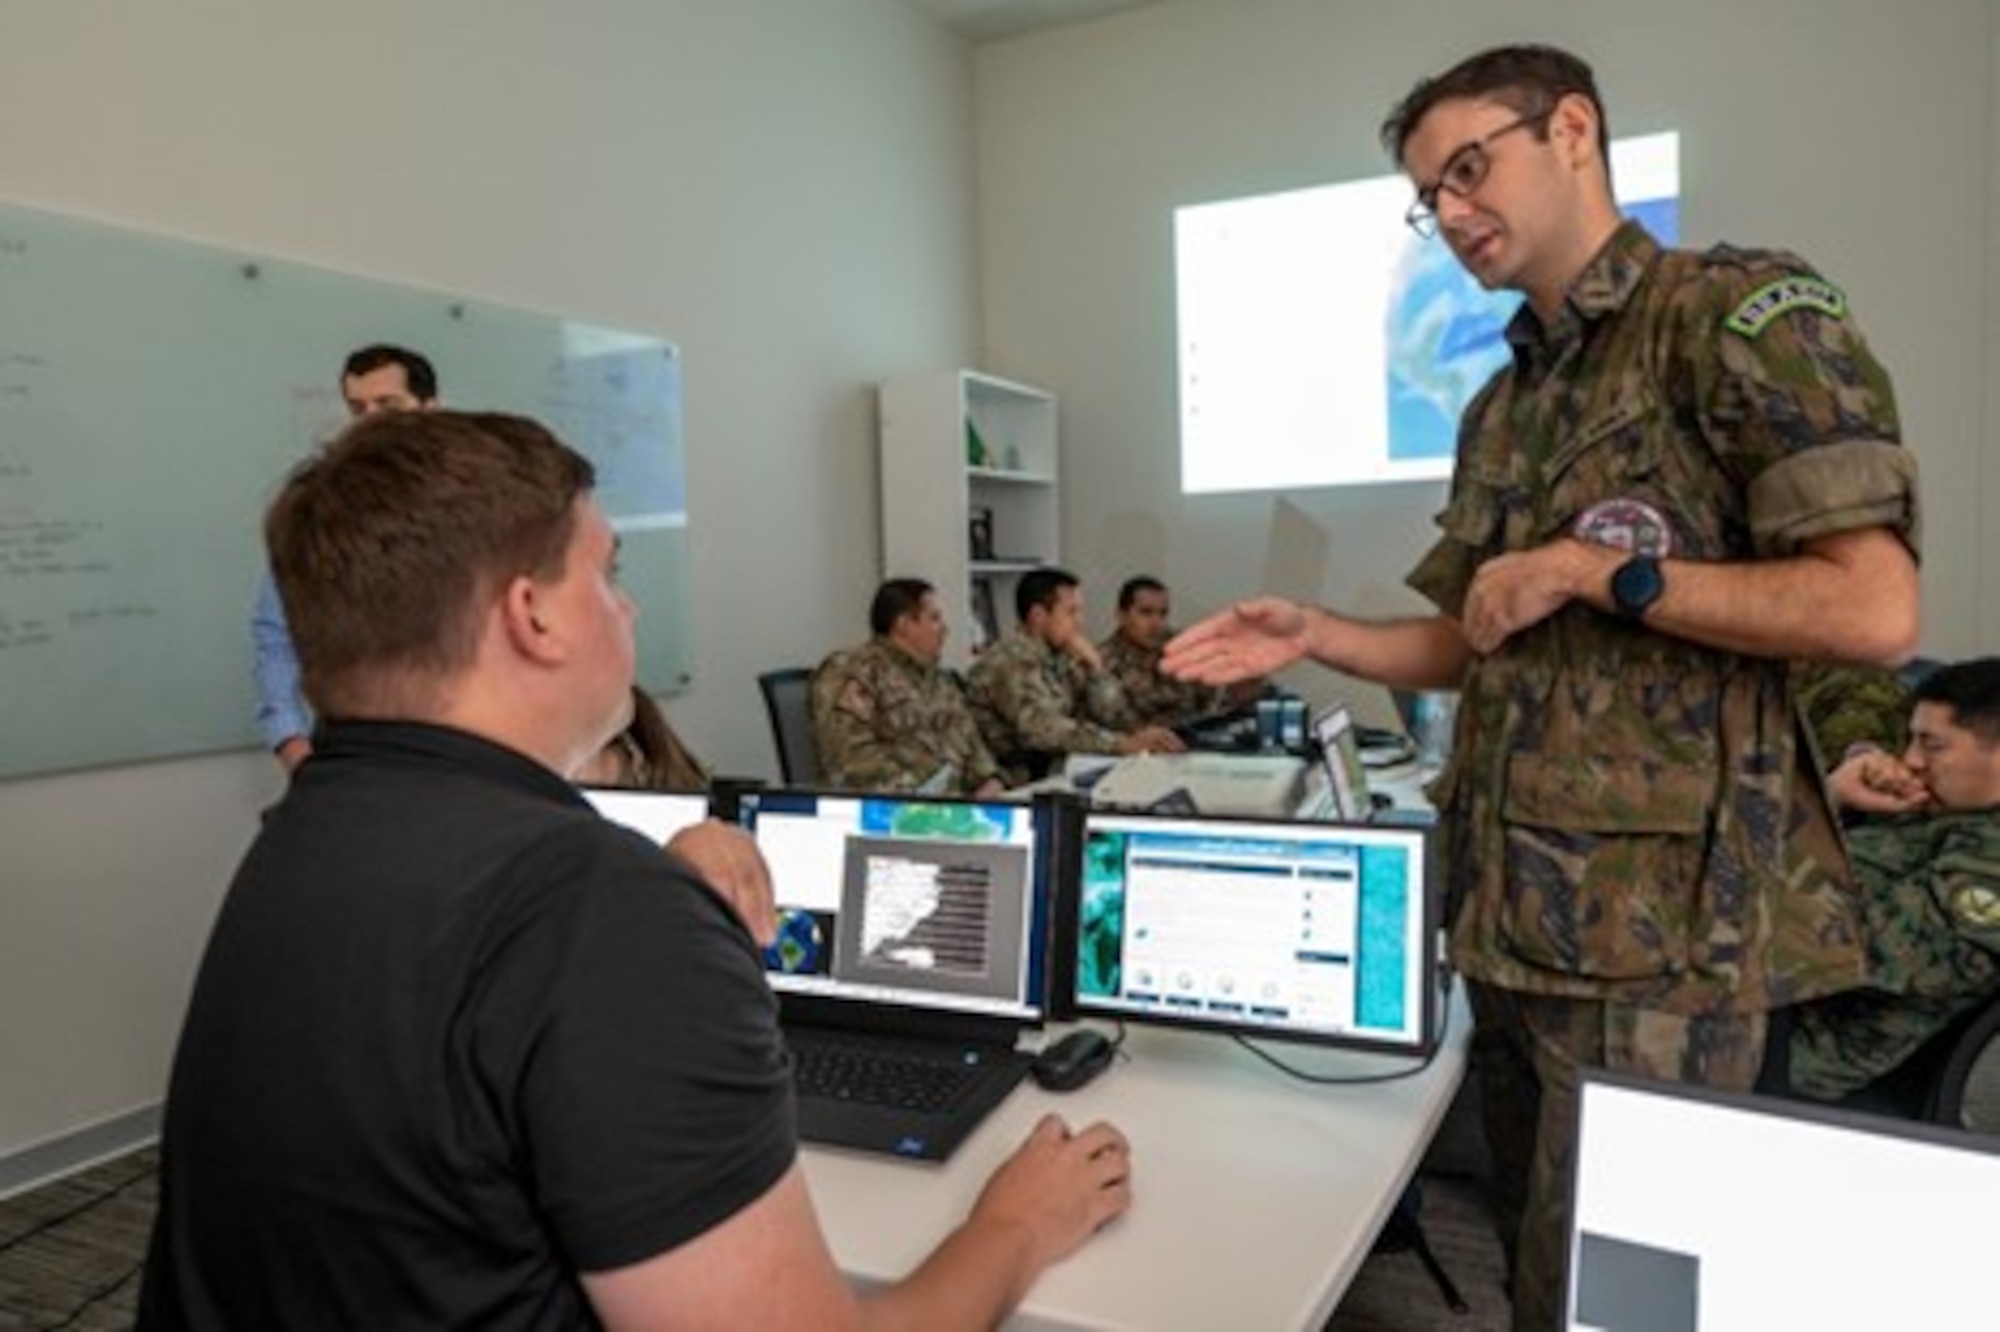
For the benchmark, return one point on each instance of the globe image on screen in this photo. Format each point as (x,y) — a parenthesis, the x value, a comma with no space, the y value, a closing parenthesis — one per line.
(799,946)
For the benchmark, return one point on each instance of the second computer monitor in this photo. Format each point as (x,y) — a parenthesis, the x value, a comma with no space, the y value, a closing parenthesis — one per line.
(1304,931)
(917,904)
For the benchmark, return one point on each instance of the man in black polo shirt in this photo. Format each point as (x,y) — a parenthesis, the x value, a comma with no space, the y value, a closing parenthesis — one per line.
(463,1054)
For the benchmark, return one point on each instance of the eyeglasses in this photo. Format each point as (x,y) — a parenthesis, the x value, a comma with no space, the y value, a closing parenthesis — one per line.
(1464,171)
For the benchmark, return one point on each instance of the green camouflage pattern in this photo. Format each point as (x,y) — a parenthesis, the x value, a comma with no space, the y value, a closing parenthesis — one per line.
(885,721)
(1930,892)
(1030,699)
(1156,699)
(1629,815)
(1847,705)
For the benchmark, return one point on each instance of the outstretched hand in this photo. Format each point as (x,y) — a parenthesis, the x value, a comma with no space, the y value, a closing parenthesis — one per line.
(1252,638)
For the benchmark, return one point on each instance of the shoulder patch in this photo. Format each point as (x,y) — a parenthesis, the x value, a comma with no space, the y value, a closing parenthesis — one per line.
(1788,293)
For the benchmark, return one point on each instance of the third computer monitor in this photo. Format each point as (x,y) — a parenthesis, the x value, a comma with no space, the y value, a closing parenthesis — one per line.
(1320,932)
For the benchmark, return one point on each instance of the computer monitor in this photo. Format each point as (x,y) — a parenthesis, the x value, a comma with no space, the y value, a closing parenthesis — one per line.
(1339,750)
(894,909)
(1699,1210)
(657,814)
(1320,932)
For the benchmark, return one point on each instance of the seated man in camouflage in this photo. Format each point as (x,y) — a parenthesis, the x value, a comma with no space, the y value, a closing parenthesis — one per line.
(887,717)
(1848,705)
(1927,861)
(1042,691)
(1132,653)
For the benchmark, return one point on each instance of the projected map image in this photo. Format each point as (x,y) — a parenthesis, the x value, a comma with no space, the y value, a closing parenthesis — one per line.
(1447,337)
(1322,343)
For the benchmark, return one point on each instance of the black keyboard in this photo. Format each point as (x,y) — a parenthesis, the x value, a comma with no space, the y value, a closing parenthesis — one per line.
(901,1078)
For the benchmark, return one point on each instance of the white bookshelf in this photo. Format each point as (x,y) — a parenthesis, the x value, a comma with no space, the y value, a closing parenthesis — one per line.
(932,487)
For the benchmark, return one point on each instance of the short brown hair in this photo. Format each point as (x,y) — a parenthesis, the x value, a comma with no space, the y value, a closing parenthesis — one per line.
(1529,79)
(388,545)
(894,599)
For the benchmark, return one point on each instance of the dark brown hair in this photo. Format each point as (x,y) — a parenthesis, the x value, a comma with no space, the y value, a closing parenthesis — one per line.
(651,756)
(895,599)
(1530,79)
(418,372)
(1971,689)
(389,545)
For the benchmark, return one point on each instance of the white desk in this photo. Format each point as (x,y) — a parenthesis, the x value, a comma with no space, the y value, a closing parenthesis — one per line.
(1256,1197)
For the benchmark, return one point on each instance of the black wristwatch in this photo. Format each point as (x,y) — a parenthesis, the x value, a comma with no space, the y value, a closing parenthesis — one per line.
(1636,585)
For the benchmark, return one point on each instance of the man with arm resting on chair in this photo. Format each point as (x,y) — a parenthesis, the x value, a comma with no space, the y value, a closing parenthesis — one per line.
(1926,855)
(887,717)
(378,378)
(1688,475)
(463,1054)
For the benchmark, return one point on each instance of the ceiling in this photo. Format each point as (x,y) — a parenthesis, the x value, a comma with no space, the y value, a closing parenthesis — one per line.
(991,20)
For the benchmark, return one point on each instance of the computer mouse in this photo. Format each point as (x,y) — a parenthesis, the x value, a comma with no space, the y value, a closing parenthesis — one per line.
(1073,1060)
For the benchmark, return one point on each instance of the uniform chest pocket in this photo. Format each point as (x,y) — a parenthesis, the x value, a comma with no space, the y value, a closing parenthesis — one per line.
(1616,456)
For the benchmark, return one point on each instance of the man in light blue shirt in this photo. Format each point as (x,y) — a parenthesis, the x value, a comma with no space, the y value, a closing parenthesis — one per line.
(377,378)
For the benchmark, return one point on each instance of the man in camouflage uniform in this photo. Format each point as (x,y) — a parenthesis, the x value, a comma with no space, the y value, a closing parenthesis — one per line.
(1042,691)
(1846,706)
(1927,862)
(887,717)
(1132,653)
(1689,475)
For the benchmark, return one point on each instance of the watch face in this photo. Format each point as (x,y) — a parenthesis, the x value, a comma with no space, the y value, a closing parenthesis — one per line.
(1637,585)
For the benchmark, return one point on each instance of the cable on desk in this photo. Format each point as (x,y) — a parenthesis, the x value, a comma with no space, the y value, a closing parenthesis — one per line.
(1359,1079)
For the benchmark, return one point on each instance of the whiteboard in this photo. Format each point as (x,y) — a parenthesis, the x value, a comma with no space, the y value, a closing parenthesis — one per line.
(153,395)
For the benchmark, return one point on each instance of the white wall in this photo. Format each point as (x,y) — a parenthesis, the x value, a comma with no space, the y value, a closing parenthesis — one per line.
(784,188)
(1859,134)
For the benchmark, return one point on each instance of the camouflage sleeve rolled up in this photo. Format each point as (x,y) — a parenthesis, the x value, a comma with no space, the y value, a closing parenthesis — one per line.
(1796,403)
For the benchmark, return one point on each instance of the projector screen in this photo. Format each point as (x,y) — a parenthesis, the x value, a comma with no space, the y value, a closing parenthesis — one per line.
(1324,343)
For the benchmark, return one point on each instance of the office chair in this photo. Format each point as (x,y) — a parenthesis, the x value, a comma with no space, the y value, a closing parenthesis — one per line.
(788,699)
(1967,1092)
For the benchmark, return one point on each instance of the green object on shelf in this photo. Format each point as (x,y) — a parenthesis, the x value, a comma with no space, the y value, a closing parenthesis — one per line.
(975,447)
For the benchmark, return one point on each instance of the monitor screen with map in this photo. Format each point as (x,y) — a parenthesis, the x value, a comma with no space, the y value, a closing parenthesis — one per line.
(906,901)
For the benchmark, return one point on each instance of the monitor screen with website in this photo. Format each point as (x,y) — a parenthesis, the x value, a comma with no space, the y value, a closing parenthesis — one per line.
(920,903)
(1317,932)
(1696,1209)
